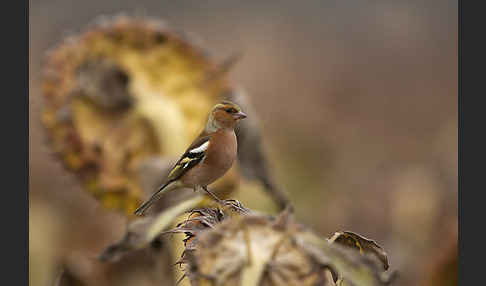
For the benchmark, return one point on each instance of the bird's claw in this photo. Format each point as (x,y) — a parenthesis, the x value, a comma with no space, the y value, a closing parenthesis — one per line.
(234,205)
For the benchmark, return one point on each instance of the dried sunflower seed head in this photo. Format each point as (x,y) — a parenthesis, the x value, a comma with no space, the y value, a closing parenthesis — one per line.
(255,249)
(123,91)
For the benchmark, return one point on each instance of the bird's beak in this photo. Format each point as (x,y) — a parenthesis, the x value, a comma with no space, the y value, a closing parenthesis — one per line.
(239,115)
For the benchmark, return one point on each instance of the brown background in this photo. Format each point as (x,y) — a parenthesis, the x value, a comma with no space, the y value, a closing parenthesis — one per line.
(357,100)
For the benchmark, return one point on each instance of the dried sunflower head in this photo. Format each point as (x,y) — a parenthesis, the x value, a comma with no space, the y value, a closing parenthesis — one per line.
(255,249)
(124,91)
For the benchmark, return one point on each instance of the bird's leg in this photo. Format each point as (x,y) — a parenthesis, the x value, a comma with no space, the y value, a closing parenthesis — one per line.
(212,195)
(234,204)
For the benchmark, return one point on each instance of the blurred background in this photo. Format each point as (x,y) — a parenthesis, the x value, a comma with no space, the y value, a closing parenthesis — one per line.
(358,106)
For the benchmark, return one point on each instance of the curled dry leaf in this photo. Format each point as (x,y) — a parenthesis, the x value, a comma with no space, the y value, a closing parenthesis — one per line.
(364,245)
(255,249)
(143,231)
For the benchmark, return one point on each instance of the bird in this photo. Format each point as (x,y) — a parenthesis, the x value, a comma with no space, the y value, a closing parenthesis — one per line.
(209,156)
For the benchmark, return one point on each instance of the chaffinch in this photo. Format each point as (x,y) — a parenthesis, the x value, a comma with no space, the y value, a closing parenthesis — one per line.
(209,156)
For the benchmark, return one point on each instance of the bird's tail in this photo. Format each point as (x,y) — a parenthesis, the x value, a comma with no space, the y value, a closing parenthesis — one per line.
(148,203)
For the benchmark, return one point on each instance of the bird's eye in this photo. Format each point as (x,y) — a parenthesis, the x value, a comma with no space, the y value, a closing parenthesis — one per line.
(229,110)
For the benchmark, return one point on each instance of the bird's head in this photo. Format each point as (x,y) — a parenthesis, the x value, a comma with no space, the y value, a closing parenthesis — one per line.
(225,115)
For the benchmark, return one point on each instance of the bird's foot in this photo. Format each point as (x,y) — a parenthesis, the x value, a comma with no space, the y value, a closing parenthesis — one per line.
(231,204)
(234,205)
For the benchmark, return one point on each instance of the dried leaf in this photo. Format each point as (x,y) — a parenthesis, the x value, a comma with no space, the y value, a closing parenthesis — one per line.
(141,232)
(351,267)
(364,245)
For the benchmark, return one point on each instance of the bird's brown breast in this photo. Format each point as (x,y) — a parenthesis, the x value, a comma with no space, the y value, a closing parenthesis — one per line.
(219,158)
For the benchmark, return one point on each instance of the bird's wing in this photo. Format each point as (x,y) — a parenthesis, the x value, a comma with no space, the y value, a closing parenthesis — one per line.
(193,155)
